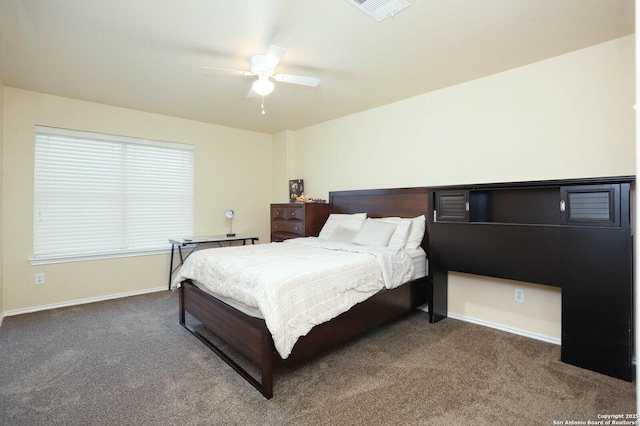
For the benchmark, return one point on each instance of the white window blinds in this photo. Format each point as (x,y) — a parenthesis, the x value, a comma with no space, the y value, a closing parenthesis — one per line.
(102,195)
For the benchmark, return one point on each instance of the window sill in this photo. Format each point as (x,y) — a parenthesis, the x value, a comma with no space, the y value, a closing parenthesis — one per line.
(69,259)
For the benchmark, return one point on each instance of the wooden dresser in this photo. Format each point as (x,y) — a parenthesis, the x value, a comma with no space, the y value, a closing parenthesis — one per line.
(292,220)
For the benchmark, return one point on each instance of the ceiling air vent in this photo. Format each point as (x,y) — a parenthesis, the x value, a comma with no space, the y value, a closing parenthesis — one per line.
(380,9)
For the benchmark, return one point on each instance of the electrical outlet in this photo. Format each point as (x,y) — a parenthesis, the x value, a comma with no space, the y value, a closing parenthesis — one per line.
(518,295)
(40,278)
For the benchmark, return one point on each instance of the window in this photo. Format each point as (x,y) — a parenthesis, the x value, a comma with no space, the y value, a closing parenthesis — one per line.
(100,195)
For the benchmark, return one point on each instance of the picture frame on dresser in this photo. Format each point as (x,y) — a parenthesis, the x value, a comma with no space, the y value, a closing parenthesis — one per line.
(296,189)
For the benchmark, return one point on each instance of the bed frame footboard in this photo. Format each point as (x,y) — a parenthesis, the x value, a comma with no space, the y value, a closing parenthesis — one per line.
(248,335)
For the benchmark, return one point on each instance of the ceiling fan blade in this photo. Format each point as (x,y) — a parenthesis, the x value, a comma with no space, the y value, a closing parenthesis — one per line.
(297,79)
(273,56)
(236,72)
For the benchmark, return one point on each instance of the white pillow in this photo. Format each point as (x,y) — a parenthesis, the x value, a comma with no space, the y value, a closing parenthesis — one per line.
(374,233)
(416,232)
(349,221)
(399,237)
(343,234)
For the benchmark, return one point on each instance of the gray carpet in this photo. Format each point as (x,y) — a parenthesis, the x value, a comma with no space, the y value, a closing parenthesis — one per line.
(128,362)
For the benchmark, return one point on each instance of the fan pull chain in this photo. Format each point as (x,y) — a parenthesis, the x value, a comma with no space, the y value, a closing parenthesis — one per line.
(262,106)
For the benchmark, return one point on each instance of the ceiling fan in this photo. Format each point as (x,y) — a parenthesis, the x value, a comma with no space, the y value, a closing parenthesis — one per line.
(263,66)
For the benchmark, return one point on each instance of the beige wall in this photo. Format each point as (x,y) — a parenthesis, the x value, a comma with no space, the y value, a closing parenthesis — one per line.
(283,165)
(230,170)
(567,117)
(1,243)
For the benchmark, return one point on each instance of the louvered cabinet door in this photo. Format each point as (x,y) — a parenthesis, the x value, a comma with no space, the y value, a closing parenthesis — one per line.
(591,205)
(452,206)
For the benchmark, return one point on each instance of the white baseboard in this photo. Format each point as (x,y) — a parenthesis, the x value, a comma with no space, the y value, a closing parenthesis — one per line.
(79,302)
(501,327)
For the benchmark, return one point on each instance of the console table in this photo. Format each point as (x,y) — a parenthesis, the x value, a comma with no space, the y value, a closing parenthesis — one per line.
(574,234)
(195,242)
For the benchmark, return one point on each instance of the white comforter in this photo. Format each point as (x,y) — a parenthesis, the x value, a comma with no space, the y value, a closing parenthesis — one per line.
(299,283)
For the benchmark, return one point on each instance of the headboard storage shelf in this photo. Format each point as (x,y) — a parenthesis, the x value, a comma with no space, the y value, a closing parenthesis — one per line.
(528,203)
(534,206)
(574,234)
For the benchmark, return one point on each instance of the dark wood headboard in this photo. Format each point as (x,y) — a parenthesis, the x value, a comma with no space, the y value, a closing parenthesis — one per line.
(402,202)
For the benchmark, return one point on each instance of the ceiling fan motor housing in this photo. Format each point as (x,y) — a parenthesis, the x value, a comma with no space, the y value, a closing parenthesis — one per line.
(258,66)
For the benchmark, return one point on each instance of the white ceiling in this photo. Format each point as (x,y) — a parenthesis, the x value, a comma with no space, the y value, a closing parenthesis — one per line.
(147,54)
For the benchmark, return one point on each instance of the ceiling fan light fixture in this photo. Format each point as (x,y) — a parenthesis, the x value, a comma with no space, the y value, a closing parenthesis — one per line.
(263,86)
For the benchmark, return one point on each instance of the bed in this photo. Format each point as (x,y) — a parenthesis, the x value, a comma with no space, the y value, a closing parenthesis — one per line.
(249,335)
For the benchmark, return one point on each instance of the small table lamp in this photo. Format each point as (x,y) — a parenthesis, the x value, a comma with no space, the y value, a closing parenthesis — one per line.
(229,214)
